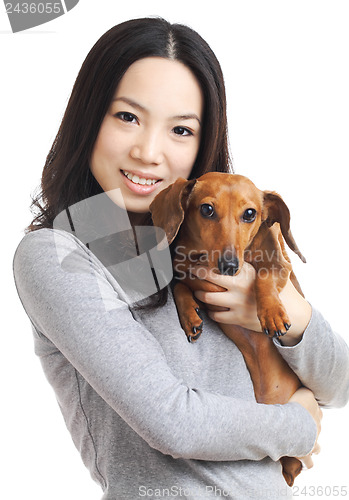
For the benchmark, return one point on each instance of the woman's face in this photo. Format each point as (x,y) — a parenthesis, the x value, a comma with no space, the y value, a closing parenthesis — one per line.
(151,133)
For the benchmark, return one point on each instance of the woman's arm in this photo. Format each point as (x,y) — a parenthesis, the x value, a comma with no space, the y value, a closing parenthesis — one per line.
(316,354)
(78,309)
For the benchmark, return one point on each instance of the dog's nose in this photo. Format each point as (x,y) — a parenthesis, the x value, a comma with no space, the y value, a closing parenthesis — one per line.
(228,264)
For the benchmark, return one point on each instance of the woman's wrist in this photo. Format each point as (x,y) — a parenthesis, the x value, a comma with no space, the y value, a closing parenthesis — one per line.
(299,311)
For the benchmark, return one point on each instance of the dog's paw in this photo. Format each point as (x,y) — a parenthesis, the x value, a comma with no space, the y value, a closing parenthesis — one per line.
(192,324)
(274,320)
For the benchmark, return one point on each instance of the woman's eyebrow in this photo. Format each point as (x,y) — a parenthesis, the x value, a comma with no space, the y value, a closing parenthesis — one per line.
(134,104)
(190,116)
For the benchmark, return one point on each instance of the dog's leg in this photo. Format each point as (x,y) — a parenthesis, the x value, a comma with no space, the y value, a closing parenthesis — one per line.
(188,311)
(270,310)
(273,269)
(188,307)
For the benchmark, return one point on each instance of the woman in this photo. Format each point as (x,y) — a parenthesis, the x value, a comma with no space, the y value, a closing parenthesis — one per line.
(151,414)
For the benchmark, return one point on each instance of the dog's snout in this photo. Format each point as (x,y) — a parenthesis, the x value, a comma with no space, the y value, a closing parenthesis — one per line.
(228,264)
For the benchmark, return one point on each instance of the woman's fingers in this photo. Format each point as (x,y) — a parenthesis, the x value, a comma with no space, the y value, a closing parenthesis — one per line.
(307,461)
(317,449)
(236,305)
(214,298)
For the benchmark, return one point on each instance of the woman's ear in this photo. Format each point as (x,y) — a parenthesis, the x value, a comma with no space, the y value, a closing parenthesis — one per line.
(276,210)
(169,206)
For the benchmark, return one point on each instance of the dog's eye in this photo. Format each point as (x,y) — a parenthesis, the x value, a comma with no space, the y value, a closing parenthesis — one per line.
(206,210)
(249,215)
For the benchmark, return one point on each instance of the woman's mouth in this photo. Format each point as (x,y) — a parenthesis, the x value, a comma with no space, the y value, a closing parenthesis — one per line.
(139,180)
(138,184)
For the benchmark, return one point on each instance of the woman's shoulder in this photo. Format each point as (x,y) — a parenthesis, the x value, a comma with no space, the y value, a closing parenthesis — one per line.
(45,241)
(39,250)
(42,239)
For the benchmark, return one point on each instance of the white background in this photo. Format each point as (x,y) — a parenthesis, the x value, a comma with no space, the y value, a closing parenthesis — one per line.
(287,77)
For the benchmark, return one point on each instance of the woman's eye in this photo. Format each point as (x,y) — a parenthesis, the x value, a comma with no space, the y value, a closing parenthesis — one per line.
(182,131)
(126,117)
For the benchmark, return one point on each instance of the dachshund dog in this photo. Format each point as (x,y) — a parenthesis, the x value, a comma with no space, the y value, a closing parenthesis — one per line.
(221,221)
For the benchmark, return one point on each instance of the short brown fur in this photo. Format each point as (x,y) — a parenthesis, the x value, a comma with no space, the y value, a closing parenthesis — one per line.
(202,240)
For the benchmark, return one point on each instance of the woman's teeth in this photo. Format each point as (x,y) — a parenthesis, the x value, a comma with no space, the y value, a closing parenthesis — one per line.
(139,180)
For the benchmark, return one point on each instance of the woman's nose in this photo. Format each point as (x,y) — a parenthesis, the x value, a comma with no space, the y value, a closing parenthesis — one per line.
(148,148)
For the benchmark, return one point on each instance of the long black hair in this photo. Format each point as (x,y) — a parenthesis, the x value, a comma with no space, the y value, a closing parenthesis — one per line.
(67,178)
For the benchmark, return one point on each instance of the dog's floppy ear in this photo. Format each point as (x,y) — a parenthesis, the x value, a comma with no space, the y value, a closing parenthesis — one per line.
(168,207)
(276,210)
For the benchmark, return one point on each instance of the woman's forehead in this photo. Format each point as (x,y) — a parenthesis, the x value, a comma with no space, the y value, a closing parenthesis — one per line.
(163,82)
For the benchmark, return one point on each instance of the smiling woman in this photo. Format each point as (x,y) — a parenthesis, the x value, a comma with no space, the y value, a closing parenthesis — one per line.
(147,410)
(151,133)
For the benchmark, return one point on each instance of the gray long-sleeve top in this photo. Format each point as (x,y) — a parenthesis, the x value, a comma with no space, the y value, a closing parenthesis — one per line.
(151,414)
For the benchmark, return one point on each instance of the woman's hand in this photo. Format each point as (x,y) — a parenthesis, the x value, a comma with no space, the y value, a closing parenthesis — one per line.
(306,398)
(236,305)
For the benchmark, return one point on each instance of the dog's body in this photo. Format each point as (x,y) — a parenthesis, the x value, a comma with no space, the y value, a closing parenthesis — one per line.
(221,221)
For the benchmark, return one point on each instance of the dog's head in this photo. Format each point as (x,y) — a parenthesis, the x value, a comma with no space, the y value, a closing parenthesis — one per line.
(217,216)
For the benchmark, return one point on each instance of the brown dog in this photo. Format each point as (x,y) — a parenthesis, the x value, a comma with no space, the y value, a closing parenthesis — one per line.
(221,221)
